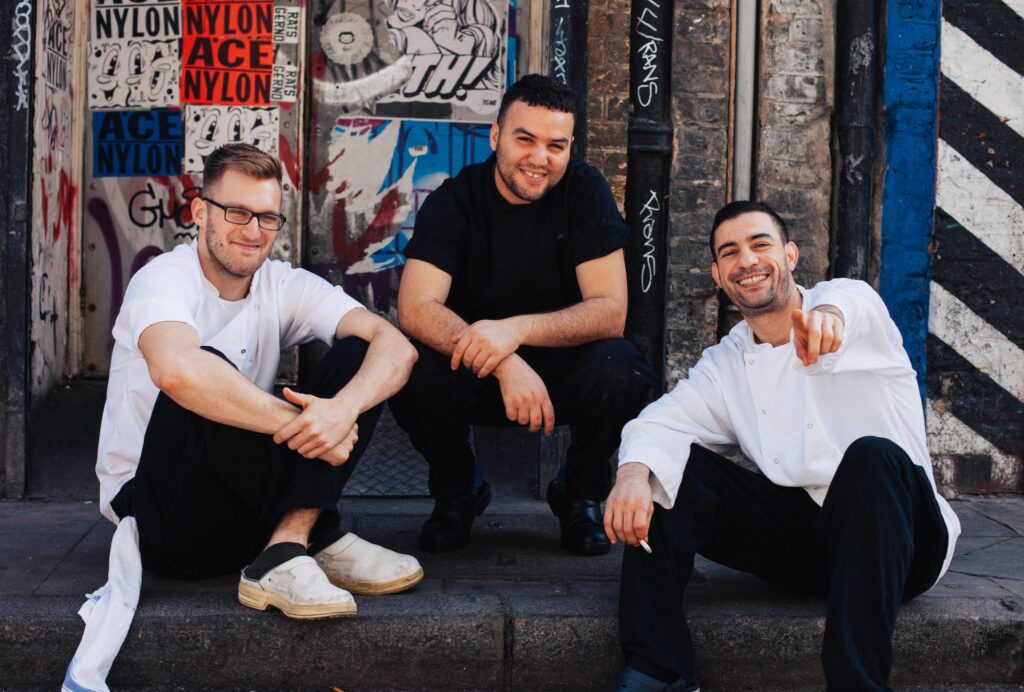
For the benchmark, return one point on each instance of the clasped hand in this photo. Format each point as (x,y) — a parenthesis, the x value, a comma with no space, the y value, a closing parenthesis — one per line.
(326,429)
(483,345)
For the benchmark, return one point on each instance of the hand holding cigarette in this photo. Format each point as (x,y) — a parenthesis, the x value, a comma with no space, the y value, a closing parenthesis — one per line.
(630,505)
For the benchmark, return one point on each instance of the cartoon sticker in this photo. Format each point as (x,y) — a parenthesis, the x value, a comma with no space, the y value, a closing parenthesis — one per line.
(208,127)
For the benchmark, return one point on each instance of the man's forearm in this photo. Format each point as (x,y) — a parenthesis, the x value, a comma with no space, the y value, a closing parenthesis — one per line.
(384,371)
(433,324)
(210,387)
(581,323)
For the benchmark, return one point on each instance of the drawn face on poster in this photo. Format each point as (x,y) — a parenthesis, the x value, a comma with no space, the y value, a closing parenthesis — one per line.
(133,54)
(133,74)
(208,127)
(429,59)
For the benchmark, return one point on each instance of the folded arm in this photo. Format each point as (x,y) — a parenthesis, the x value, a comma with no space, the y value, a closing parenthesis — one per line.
(601,314)
(207,384)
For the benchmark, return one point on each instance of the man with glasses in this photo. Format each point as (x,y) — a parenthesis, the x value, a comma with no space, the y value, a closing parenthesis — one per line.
(218,472)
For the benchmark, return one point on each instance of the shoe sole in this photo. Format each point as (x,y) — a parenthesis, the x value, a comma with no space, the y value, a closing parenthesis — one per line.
(258,599)
(362,588)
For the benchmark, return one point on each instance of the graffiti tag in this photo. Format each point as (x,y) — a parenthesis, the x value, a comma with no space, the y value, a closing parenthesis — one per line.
(21,47)
(649,52)
(648,217)
(147,208)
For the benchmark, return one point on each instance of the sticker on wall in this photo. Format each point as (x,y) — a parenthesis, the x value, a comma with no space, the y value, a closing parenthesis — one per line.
(227,52)
(56,34)
(457,51)
(137,143)
(286,24)
(208,127)
(133,54)
(284,86)
(424,59)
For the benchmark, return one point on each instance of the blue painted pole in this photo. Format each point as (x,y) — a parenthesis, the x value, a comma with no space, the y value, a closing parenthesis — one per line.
(911,100)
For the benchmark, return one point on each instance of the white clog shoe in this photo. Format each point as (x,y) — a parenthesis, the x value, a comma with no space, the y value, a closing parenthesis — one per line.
(299,589)
(367,569)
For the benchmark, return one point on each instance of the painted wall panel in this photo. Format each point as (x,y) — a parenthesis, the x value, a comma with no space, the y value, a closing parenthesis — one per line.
(55,190)
(975,344)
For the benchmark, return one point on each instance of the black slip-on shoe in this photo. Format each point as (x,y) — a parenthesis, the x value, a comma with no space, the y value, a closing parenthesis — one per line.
(451,522)
(581,521)
(632,680)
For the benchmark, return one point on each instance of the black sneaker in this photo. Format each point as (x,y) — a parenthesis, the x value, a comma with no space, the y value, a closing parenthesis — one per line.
(581,522)
(449,525)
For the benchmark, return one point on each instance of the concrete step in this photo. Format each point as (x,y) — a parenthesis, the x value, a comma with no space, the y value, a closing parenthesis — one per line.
(512,612)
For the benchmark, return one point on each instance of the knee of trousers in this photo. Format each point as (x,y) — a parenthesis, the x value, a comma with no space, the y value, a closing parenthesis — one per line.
(870,461)
(341,362)
(432,377)
(615,367)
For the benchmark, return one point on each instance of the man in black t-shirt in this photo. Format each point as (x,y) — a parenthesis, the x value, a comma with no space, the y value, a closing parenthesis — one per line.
(515,294)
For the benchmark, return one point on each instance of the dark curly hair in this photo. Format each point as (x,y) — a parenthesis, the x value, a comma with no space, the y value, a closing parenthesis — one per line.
(539,90)
(740,207)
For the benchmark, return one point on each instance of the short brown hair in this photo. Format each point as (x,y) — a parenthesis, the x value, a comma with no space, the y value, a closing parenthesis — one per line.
(244,158)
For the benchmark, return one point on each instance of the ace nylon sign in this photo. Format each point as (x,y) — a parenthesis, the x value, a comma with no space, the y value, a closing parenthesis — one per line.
(227,52)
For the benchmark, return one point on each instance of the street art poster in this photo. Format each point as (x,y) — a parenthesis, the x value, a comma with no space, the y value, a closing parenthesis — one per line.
(133,54)
(208,127)
(425,59)
(137,143)
(378,173)
(227,52)
(56,40)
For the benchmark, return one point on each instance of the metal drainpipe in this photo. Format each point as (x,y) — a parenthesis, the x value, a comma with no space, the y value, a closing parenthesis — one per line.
(743,122)
(568,63)
(857,50)
(648,164)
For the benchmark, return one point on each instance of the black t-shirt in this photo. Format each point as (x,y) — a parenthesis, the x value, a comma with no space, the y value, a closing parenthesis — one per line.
(514,259)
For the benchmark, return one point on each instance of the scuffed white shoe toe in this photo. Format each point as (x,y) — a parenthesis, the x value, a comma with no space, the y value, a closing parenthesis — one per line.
(368,569)
(299,589)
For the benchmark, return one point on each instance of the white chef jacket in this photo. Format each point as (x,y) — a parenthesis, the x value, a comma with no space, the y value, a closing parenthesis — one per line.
(793,421)
(285,306)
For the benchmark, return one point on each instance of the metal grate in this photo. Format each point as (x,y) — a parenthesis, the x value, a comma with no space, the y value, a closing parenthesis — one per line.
(390,467)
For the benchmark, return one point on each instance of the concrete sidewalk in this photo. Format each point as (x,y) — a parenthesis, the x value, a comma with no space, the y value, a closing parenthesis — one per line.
(511,612)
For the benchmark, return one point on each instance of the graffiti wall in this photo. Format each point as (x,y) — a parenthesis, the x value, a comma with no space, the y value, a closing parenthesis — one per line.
(404,92)
(55,189)
(168,82)
(975,342)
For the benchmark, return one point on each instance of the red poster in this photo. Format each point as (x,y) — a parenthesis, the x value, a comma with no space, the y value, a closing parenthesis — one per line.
(227,52)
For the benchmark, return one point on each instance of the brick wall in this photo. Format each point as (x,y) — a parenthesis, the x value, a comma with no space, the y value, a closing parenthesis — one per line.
(795,104)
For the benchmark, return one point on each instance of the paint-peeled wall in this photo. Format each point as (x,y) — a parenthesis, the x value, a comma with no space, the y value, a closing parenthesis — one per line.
(167,82)
(975,341)
(403,95)
(55,187)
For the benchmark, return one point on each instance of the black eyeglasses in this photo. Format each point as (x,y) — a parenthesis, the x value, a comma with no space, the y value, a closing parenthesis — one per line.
(268,221)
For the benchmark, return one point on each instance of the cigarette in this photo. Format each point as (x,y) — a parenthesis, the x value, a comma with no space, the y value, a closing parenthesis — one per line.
(643,544)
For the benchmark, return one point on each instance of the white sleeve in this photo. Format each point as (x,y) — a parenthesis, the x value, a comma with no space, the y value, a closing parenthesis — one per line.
(871,340)
(660,437)
(157,293)
(310,307)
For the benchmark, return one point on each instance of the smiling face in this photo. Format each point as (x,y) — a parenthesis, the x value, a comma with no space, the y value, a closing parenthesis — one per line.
(230,253)
(532,148)
(753,265)
(407,13)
